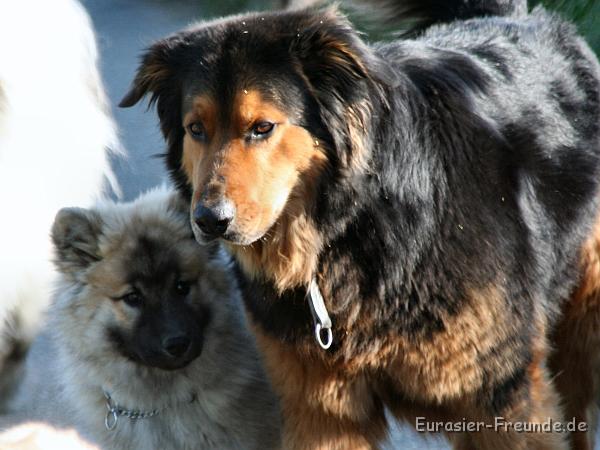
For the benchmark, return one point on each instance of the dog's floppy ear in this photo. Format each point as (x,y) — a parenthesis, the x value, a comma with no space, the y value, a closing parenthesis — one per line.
(344,76)
(331,53)
(156,72)
(75,234)
(159,75)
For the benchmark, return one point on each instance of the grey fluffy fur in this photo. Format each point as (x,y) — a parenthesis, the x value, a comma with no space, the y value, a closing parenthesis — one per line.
(73,361)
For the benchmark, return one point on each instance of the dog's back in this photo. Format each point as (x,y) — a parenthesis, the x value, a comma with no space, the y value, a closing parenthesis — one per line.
(524,92)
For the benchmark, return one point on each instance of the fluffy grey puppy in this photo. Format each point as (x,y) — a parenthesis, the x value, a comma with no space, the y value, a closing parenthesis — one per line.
(146,345)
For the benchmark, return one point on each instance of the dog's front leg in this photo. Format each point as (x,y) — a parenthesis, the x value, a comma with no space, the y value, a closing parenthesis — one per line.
(323,409)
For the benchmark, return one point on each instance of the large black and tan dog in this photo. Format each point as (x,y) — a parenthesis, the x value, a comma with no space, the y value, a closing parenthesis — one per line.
(436,191)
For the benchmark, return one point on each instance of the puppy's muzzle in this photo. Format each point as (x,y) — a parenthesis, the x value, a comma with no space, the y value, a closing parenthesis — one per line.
(176,346)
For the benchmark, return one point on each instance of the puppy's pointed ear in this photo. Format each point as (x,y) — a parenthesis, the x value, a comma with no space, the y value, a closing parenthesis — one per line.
(75,234)
(157,69)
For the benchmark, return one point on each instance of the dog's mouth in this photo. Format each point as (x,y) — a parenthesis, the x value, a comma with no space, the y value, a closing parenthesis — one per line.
(175,360)
(231,236)
(170,365)
(240,224)
(161,363)
(158,360)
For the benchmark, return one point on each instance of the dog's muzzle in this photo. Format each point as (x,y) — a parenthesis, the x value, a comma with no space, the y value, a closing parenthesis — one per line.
(214,220)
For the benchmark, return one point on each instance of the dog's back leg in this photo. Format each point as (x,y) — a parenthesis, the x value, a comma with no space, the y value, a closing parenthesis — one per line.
(575,363)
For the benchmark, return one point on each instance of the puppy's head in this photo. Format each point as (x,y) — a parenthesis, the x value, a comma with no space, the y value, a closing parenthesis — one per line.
(135,283)
(256,110)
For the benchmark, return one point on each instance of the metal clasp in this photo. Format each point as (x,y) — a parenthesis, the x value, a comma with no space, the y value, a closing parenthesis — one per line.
(112,415)
(320,315)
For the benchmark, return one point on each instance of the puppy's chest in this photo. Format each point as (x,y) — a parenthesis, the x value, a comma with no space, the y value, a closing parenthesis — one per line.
(189,428)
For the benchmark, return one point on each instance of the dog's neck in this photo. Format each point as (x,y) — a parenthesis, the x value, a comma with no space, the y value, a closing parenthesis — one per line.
(287,257)
(115,411)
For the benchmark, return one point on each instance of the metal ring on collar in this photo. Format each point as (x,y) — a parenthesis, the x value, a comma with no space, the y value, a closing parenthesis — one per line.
(111,419)
(324,345)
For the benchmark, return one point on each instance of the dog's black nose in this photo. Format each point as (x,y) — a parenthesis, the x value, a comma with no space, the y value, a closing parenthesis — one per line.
(215,220)
(176,346)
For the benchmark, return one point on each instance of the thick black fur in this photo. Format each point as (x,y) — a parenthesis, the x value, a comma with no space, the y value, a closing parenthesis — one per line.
(424,13)
(482,142)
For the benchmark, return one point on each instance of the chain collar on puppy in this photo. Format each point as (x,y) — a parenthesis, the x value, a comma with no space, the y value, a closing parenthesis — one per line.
(112,416)
(320,315)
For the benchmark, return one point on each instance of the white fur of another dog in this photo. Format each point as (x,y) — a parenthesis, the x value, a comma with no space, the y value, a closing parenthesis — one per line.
(55,129)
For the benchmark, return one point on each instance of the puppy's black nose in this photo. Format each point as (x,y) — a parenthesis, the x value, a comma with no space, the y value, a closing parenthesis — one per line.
(215,220)
(176,346)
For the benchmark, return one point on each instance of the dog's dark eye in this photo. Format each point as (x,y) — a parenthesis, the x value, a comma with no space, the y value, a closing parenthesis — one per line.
(133,299)
(262,129)
(182,287)
(196,130)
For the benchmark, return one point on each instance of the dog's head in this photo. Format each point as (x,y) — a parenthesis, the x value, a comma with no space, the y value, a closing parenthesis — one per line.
(134,282)
(256,109)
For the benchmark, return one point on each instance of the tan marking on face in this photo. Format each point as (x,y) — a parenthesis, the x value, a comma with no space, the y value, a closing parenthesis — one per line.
(194,155)
(271,182)
(107,281)
(289,253)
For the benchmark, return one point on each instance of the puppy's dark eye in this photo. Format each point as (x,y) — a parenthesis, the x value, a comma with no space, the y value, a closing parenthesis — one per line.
(182,287)
(197,131)
(133,299)
(262,129)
